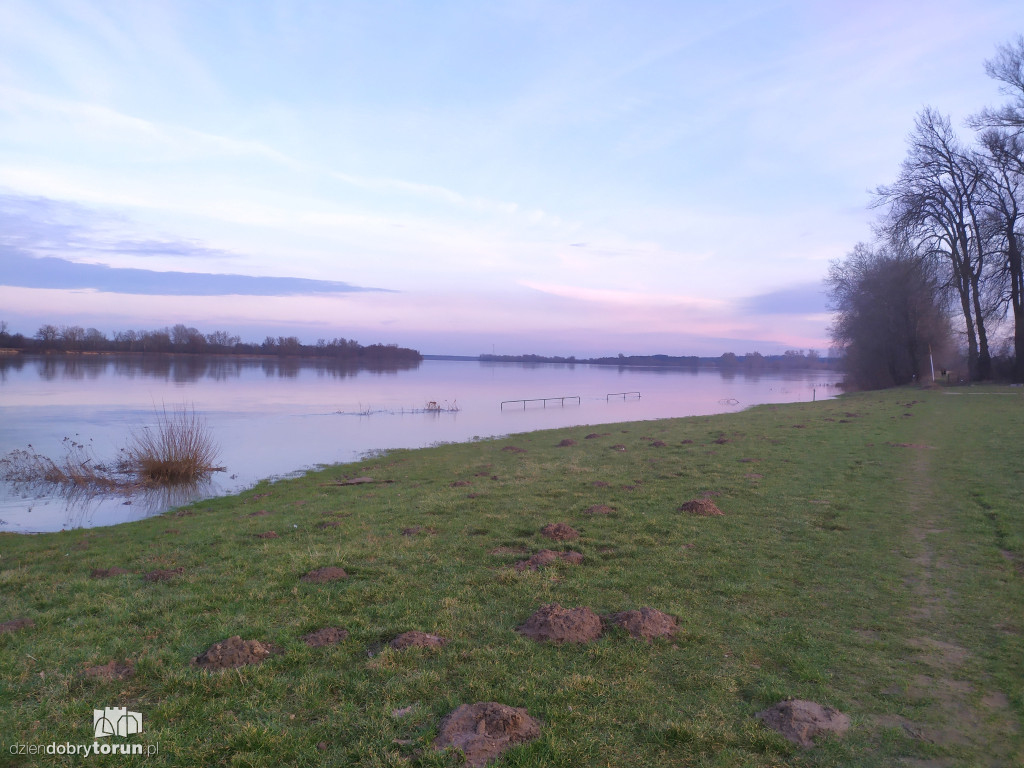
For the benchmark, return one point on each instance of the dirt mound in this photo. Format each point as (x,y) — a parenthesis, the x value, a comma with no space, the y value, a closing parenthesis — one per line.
(560,531)
(702,507)
(556,624)
(163,575)
(594,435)
(546,557)
(599,509)
(323,575)
(659,444)
(417,640)
(112,670)
(15,624)
(325,636)
(267,535)
(484,730)
(459,483)
(233,652)
(619,447)
(645,624)
(801,721)
(106,573)
(259,513)
(567,443)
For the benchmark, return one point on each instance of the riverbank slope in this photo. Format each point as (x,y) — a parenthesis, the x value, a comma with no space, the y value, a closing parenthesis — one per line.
(870,557)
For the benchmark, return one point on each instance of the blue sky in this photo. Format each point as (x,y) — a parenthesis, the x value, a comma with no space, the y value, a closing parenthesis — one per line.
(553,177)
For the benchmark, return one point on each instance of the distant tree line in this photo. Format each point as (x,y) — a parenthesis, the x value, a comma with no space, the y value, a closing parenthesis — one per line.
(752,362)
(183,339)
(946,263)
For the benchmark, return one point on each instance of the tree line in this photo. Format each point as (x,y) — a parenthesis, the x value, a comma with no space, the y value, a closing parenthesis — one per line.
(752,362)
(184,339)
(946,261)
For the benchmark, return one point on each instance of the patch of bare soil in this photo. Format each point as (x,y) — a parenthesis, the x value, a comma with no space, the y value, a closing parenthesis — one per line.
(568,442)
(165,574)
(599,509)
(323,575)
(546,557)
(417,639)
(594,435)
(555,624)
(356,481)
(460,483)
(484,730)
(107,573)
(15,624)
(645,623)
(802,721)
(658,444)
(112,670)
(267,535)
(325,636)
(619,447)
(701,507)
(233,652)
(259,513)
(503,550)
(560,532)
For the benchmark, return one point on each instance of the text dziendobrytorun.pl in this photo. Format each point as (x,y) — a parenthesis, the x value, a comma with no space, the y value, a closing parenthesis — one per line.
(96,748)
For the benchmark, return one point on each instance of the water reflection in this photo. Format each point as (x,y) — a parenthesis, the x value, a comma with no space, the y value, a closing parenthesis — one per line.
(83,504)
(273,417)
(187,369)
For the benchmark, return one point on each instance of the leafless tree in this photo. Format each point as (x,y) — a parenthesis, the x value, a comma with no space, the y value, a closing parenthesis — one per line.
(1002,140)
(1002,195)
(1008,68)
(934,207)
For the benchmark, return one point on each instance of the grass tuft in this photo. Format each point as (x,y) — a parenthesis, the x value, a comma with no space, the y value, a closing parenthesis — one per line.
(178,450)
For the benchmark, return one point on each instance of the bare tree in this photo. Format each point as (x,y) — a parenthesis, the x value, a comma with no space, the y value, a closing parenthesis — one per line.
(934,207)
(1008,68)
(1003,146)
(1003,196)
(888,316)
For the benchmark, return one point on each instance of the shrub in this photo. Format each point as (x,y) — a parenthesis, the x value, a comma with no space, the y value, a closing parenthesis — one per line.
(179,449)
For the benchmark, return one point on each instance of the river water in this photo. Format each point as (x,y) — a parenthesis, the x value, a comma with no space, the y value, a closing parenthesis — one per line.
(274,418)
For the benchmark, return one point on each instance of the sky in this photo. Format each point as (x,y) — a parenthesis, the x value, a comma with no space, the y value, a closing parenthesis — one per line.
(562,178)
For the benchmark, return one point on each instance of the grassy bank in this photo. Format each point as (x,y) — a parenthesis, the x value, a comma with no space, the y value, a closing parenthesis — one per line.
(870,558)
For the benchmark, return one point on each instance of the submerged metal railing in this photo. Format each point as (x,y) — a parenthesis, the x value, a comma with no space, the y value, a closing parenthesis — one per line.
(544,400)
(623,395)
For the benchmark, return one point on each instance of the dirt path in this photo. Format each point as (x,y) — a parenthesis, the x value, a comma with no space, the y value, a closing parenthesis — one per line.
(941,675)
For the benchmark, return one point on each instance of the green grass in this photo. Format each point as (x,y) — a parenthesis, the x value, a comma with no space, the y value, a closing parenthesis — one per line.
(871,558)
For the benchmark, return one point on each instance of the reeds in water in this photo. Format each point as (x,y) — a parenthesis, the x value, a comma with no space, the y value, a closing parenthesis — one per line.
(179,449)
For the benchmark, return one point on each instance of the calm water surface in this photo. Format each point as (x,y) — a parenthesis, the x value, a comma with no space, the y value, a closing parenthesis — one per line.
(274,418)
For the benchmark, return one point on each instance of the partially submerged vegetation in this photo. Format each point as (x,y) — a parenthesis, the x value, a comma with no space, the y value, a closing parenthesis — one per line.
(869,558)
(178,450)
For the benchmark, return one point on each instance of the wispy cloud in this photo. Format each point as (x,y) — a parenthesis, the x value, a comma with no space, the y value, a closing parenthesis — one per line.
(800,299)
(20,270)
